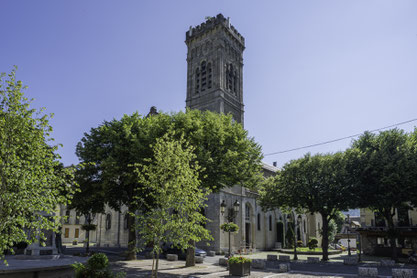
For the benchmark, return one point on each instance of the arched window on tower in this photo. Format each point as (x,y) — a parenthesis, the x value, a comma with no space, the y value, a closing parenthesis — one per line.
(203,76)
(197,80)
(209,74)
(231,81)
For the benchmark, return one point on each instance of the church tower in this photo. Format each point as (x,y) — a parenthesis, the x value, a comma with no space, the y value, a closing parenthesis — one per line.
(215,67)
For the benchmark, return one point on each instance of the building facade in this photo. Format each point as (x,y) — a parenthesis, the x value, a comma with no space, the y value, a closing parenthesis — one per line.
(374,232)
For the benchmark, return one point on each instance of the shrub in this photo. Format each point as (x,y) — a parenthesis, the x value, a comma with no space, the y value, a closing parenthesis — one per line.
(230,227)
(313,243)
(96,267)
(74,242)
(239,260)
(299,243)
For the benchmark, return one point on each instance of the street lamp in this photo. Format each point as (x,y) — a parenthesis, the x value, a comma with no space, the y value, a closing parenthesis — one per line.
(348,231)
(230,216)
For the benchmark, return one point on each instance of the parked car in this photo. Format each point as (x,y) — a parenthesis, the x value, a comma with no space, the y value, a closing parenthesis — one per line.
(183,253)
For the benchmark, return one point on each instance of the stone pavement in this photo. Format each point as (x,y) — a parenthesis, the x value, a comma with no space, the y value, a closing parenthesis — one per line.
(167,269)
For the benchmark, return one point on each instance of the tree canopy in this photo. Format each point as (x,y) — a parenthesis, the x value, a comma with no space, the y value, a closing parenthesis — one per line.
(382,169)
(32,180)
(224,151)
(314,183)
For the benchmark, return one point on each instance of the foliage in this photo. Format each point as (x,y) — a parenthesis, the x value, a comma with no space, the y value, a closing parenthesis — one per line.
(339,219)
(384,166)
(96,267)
(289,235)
(312,243)
(171,180)
(299,243)
(230,227)
(316,183)
(238,260)
(32,180)
(223,150)
(332,230)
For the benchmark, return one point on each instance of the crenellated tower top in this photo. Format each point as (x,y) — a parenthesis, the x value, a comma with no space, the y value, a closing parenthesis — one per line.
(211,24)
(215,67)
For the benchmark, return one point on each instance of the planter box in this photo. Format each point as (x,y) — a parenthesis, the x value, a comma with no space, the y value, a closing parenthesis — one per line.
(271,257)
(239,269)
(402,273)
(258,263)
(284,258)
(313,260)
(367,272)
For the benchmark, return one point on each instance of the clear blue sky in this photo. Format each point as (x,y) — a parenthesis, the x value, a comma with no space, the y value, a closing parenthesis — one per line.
(314,70)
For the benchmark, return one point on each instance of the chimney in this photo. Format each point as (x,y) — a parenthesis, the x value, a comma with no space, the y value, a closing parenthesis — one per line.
(274,164)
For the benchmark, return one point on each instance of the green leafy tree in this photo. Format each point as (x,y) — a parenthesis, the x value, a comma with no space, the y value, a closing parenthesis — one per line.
(332,230)
(32,180)
(89,201)
(313,183)
(223,149)
(172,182)
(382,170)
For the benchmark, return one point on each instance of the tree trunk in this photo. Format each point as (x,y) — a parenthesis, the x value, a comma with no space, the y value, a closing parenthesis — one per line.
(325,239)
(392,237)
(87,238)
(131,253)
(157,265)
(190,259)
(153,264)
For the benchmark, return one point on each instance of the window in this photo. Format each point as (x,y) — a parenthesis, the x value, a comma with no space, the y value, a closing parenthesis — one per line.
(77,218)
(270,223)
(379,220)
(247,212)
(231,80)
(67,217)
(125,221)
(77,233)
(66,233)
(259,221)
(197,80)
(108,221)
(403,219)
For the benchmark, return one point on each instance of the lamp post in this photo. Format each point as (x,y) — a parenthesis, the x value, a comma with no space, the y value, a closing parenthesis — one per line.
(230,216)
(348,231)
(295,221)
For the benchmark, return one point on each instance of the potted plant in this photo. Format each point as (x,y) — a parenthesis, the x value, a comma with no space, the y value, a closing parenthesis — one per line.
(239,266)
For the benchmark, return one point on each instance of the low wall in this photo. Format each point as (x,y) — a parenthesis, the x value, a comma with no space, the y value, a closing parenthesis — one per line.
(331,252)
(45,272)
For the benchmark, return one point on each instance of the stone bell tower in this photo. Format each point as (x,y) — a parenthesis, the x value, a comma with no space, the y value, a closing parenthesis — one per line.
(215,67)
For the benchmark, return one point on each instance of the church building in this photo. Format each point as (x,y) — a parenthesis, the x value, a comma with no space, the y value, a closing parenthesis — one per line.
(215,83)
